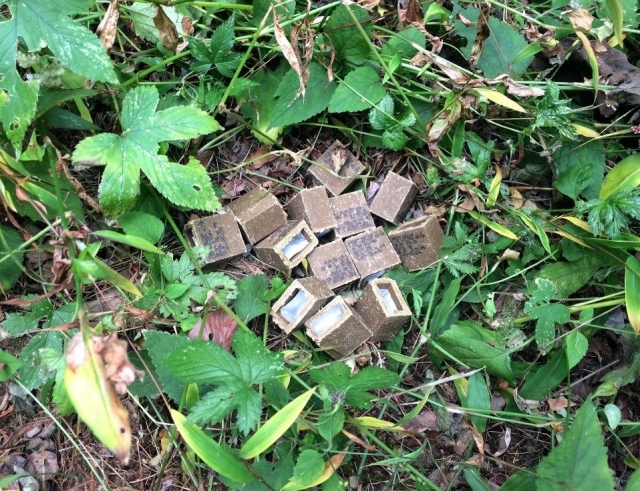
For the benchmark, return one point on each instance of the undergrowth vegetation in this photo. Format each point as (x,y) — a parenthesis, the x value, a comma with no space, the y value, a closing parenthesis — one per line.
(518,122)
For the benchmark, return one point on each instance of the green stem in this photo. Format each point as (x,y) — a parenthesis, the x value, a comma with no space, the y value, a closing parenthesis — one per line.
(140,75)
(579,308)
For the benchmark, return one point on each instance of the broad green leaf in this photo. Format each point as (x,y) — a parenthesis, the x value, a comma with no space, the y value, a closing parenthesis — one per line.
(501,99)
(546,378)
(468,342)
(625,175)
(403,44)
(613,415)
(494,188)
(142,225)
(15,324)
(359,90)
(330,424)
(10,260)
(259,102)
(208,363)
(443,309)
(501,48)
(567,277)
(576,347)
(211,452)
(160,345)
(18,101)
(34,372)
(475,480)
(634,481)
(275,427)
(496,227)
(136,149)
(580,461)
(94,398)
(309,467)
(478,398)
(250,302)
(522,481)
(9,364)
(291,108)
(547,317)
(41,23)
(580,168)
(632,292)
(92,269)
(131,240)
(348,43)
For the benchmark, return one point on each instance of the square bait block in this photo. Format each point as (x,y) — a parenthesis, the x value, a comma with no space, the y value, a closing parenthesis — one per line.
(332,264)
(259,213)
(371,252)
(394,198)
(418,242)
(286,247)
(312,206)
(221,233)
(336,169)
(301,300)
(383,309)
(337,327)
(351,213)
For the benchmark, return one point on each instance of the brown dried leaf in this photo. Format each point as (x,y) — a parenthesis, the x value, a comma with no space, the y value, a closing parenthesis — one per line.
(412,14)
(481,35)
(559,403)
(219,327)
(425,421)
(168,30)
(292,56)
(118,368)
(504,442)
(580,19)
(108,26)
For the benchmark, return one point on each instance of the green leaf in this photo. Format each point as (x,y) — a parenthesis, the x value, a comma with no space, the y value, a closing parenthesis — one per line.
(330,424)
(632,292)
(259,102)
(11,265)
(9,364)
(381,116)
(634,481)
(211,452)
(160,346)
(403,43)
(250,302)
(142,225)
(137,148)
(580,168)
(17,99)
(478,398)
(16,324)
(41,23)
(359,90)
(348,43)
(624,176)
(576,347)
(614,8)
(568,278)
(203,362)
(442,311)
(34,373)
(275,427)
(613,415)
(292,108)
(501,48)
(475,480)
(131,240)
(546,378)
(547,317)
(580,461)
(522,481)
(309,467)
(468,342)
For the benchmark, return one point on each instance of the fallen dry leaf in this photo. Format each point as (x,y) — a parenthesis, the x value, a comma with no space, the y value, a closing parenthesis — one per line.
(504,442)
(425,421)
(559,403)
(411,12)
(168,30)
(580,19)
(291,55)
(108,26)
(219,327)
